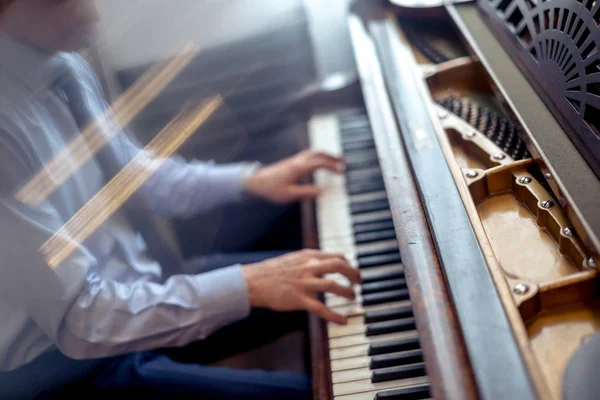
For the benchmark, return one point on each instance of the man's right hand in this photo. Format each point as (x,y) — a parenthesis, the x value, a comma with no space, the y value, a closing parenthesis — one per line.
(291,282)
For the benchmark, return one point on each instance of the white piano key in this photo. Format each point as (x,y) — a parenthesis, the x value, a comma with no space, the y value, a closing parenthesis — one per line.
(351,375)
(354,309)
(359,361)
(323,131)
(346,364)
(366,385)
(337,226)
(369,272)
(368,196)
(372,216)
(340,242)
(349,352)
(341,279)
(367,171)
(355,340)
(355,325)
(330,182)
(348,345)
(349,329)
(335,233)
(338,301)
(377,246)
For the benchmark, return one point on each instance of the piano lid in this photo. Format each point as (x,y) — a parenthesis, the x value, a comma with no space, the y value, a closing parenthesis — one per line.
(555,44)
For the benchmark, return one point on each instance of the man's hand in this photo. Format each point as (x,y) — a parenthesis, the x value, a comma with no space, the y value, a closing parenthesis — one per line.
(291,282)
(281,182)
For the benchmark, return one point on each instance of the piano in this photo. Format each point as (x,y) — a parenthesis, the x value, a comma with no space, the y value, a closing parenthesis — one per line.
(470,202)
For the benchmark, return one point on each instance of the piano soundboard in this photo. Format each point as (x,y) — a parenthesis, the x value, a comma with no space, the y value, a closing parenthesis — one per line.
(474,230)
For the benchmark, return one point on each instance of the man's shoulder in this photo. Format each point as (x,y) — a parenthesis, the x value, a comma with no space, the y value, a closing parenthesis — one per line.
(81,66)
(12,93)
(14,157)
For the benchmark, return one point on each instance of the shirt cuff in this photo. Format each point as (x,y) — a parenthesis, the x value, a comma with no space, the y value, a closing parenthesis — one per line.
(226,297)
(228,181)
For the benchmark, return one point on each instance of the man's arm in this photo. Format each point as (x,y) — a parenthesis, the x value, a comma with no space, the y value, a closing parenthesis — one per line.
(87,316)
(178,188)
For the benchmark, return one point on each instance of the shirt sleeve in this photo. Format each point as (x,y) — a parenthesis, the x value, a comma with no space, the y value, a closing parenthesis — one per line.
(176,188)
(179,188)
(90,317)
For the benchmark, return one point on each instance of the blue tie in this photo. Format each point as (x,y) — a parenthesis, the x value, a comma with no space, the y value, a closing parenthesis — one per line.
(72,92)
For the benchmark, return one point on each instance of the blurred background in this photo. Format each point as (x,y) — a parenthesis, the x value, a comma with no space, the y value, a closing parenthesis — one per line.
(259,54)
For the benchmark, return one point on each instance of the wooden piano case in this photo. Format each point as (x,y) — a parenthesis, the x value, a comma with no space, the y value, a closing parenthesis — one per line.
(494,203)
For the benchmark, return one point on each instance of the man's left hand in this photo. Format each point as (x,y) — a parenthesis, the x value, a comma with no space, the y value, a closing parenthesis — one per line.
(281,182)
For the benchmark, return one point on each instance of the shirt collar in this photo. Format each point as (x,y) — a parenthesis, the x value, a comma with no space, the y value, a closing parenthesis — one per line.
(33,67)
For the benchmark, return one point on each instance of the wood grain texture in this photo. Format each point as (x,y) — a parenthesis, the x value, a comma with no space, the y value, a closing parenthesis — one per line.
(444,351)
(317,328)
(489,339)
(447,364)
(546,139)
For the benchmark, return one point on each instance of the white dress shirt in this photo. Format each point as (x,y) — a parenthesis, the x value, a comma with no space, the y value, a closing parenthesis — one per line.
(108,297)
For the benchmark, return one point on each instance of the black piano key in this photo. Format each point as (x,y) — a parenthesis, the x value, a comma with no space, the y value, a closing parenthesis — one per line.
(380,250)
(351,114)
(366,180)
(365,187)
(360,156)
(383,286)
(347,125)
(369,276)
(376,261)
(394,346)
(395,373)
(373,226)
(357,123)
(368,237)
(365,144)
(388,315)
(361,164)
(385,297)
(398,325)
(369,206)
(360,174)
(372,174)
(420,392)
(396,359)
(355,137)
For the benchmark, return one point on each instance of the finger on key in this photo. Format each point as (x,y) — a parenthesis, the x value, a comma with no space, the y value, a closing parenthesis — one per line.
(316,307)
(329,286)
(319,254)
(339,266)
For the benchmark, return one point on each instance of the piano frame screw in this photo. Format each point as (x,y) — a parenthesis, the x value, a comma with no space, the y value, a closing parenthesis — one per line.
(591,263)
(524,180)
(568,231)
(547,204)
(471,134)
(521,289)
(548,175)
(472,174)
(499,156)
(442,114)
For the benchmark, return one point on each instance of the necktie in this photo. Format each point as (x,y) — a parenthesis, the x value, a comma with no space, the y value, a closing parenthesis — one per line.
(72,92)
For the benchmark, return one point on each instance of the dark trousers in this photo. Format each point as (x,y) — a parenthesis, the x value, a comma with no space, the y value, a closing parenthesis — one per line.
(172,373)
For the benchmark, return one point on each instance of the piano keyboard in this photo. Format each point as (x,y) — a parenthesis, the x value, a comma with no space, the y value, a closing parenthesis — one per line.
(377,355)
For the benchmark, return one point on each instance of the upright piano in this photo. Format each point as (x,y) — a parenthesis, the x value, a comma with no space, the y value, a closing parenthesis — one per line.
(470,203)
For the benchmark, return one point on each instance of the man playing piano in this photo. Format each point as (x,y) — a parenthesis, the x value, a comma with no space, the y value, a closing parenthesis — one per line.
(108,318)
